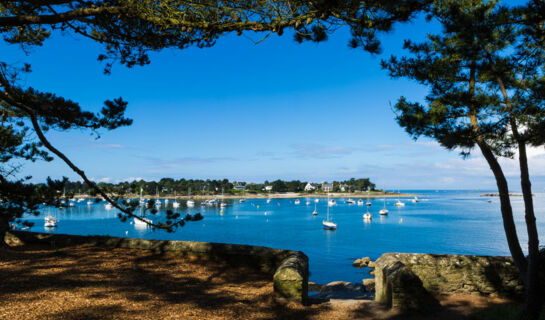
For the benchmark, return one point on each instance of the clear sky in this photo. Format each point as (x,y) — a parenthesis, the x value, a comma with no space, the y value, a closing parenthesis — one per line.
(251,112)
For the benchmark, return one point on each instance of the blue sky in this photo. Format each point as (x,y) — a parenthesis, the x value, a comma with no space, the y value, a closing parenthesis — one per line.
(250,112)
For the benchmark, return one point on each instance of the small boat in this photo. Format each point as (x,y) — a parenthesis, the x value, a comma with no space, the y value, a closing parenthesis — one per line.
(190,203)
(297,201)
(316,200)
(108,206)
(89,202)
(331,202)
(269,200)
(367,216)
(222,204)
(175,204)
(328,225)
(315,212)
(360,202)
(350,201)
(308,203)
(142,222)
(71,204)
(415,200)
(383,212)
(50,222)
(241,200)
(368,203)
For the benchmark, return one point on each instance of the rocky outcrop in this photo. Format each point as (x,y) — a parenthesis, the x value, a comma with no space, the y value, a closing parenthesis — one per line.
(401,276)
(369,284)
(398,287)
(362,263)
(289,268)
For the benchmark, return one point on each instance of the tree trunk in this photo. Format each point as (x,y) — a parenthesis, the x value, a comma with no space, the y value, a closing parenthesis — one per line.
(503,189)
(4,227)
(506,211)
(534,294)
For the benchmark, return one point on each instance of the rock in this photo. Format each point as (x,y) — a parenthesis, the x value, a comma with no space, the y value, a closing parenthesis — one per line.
(361,263)
(341,290)
(399,287)
(371,265)
(313,286)
(372,272)
(291,278)
(369,284)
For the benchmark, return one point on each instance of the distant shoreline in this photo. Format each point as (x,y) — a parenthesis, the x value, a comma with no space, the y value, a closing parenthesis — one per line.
(287,195)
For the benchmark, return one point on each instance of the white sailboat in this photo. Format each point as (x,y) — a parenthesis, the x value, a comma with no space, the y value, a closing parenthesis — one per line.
(399,203)
(367,216)
(350,201)
(383,211)
(360,202)
(108,206)
(328,225)
(331,202)
(297,201)
(190,203)
(158,201)
(315,212)
(316,200)
(222,204)
(50,221)
(175,204)
(415,200)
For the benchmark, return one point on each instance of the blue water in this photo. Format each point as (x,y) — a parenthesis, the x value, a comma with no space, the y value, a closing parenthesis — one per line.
(454,222)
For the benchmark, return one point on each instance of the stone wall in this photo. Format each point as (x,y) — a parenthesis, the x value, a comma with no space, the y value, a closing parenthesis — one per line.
(289,268)
(444,274)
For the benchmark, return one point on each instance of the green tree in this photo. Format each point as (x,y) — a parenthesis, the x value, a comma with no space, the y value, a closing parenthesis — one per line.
(485,74)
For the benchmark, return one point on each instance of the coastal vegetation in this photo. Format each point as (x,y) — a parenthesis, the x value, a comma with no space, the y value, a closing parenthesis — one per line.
(170,186)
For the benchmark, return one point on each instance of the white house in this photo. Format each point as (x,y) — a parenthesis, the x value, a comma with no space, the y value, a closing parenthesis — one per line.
(268,188)
(327,187)
(309,187)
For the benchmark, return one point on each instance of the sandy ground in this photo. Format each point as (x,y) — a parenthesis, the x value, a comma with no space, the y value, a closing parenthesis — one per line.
(85,282)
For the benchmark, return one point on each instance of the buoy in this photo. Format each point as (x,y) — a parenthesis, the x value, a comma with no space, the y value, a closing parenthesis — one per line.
(127,232)
(258,206)
(221,211)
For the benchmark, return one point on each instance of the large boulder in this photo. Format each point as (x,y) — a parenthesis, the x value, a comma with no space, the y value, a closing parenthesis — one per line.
(398,287)
(291,278)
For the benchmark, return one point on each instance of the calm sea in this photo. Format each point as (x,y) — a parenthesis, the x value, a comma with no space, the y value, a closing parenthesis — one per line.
(454,222)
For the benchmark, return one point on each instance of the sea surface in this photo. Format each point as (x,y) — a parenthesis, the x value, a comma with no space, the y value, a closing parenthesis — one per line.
(452,222)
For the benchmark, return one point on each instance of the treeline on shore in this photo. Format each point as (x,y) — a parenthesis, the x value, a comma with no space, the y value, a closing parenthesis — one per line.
(203,187)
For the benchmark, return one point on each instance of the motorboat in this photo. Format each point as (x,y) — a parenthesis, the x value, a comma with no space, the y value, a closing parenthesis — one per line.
(360,202)
(415,200)
(350,201)
(331,202)
(108,206)
(367,216)
(297,201)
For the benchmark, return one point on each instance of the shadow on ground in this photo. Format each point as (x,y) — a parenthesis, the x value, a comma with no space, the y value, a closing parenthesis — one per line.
(85,282)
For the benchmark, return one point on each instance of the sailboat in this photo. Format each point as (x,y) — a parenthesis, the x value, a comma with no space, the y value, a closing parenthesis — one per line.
(399,203)
(415,200)
(141,201)
(328,225)
(222,204)
(190,203)
(350,201)
(383,211)
(360,202)
(50,221)
(367,216)
(158,201)
(316,200)
(297,201)
(141,222)
(315,212)
(175,204)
